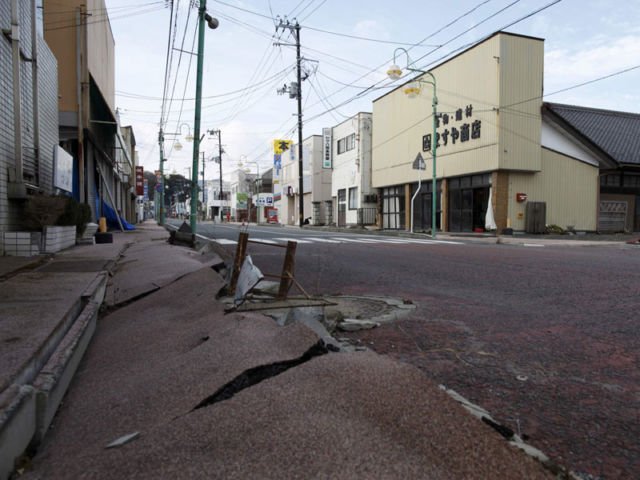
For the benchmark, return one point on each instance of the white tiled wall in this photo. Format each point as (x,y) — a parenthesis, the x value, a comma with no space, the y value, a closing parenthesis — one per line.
(21,244)
(59,238)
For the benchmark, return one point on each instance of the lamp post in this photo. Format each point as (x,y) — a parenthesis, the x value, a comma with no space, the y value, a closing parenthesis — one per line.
(178,146)
(203,17)
(412,90)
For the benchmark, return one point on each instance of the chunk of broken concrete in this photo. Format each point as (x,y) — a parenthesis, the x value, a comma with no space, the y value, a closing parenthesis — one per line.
(353,325)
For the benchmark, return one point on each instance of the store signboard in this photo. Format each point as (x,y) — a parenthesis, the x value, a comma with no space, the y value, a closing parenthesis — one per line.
(265,200)
(242,200)
(453,132)
(139,180)
(326,148)
(62,169)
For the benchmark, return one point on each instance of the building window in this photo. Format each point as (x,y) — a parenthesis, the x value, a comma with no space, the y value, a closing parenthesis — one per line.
(393,208)
(632,181)
(610,180)
(347,143)
(353,198)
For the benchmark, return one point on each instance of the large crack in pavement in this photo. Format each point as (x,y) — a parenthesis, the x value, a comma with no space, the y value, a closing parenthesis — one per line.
(255,375)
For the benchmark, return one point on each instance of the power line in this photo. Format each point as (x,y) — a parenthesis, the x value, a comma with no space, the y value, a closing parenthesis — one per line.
(314,10)
(367,39)
(102,19)
(360,94)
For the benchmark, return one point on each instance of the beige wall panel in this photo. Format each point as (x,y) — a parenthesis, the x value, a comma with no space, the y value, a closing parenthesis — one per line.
(400,122)
(61,38)
(520,102)
(101,48)
(569,187)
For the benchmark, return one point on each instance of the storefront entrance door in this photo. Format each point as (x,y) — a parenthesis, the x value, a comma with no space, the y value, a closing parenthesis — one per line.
(461,210)
(467,209)
(342,207)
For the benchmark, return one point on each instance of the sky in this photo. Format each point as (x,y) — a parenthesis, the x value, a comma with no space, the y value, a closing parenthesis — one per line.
(347,47)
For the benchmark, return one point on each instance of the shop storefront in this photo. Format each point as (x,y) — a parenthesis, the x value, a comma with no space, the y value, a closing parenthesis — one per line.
(496,152)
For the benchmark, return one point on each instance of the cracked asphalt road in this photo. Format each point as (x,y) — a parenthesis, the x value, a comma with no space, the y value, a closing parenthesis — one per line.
(546,339)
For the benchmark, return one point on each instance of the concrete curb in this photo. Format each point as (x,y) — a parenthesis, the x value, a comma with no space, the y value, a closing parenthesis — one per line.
(28,406)
(56,376)
(17,425)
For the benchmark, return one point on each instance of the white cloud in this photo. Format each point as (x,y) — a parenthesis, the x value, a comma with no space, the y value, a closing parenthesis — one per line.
(370,29)
(564,66)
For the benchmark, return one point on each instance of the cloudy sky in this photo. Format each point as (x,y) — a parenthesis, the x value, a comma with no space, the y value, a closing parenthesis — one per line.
(347,47)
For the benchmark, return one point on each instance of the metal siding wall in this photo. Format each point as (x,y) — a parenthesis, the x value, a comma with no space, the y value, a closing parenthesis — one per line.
(520,122)
(26,93)
(61,35)
(101,52)
(400,122)
(569,187)
(6,115)
(48,112)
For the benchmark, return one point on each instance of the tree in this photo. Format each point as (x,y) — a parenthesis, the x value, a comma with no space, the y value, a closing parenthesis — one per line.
(150,177)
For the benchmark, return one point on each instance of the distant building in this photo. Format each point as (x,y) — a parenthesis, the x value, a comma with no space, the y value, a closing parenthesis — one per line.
(502,152)
(316,184)
(89,129)
(216,204)
(354,201)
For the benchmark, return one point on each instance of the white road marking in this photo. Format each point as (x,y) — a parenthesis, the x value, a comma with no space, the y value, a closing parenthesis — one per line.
(364,240)
(224,241)
(353,240)
(321,239)
(283,239)
(263,240)
(533,245)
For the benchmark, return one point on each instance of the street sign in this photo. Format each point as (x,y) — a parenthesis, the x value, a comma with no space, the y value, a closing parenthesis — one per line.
(419,163)
(265,200)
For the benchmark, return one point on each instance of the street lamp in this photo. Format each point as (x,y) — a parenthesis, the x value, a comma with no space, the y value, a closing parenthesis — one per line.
(178,146)
(412,90)
(188,137)
(203,17)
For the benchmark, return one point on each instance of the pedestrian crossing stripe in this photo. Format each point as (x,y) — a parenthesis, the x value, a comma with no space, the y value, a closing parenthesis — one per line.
(224,241)
(298,240)
(322,240)
(337,240)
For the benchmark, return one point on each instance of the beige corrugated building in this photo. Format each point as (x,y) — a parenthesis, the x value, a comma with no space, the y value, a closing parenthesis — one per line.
(492,145)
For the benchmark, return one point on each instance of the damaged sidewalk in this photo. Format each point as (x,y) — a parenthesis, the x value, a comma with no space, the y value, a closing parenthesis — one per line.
(177,388)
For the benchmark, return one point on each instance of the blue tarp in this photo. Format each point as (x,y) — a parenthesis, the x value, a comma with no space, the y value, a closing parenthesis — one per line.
(112,218)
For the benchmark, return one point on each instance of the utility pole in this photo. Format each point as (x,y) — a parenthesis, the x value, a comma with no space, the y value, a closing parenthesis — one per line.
(196,122)
(204,209)
(220,194)
(213,23)
(298,94)
(161,148)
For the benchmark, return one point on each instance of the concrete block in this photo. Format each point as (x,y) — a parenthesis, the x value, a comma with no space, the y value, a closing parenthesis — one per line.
(17,425)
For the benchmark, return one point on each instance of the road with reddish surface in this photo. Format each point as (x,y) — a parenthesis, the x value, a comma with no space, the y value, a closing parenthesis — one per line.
(546,339)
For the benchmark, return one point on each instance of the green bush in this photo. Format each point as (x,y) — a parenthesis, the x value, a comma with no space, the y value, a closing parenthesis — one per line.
(43,210)
(78,214)
(555,230)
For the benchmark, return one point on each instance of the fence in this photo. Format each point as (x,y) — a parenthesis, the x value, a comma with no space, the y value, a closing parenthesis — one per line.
(366,216)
